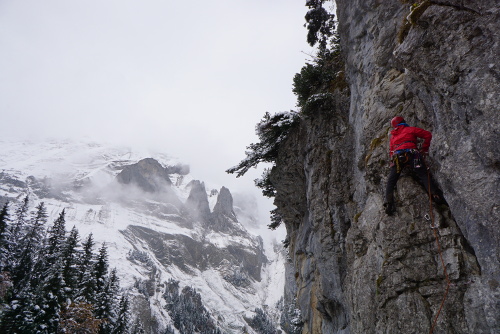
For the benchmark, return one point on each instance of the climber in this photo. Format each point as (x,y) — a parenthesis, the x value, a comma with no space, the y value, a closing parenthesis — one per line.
(404,152)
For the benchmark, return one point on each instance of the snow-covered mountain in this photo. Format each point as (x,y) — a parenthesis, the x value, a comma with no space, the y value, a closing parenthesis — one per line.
(159,223)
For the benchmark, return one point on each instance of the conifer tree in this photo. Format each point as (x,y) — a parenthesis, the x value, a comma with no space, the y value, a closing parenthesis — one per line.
(20,218)
(11,246)
(56,237)
(320,23)
(49,292)
(4,218)
(106,303)
(49,298)
(85,270)
(122,320)
(17,316)
(101,269)
(69,255)
(5,286)
(29,247)
(60,286)
(17,292)
(94,284)
(86,255)
(4,231)
(138,327)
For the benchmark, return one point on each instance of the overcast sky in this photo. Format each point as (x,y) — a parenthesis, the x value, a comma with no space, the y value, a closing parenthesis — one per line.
(188,78)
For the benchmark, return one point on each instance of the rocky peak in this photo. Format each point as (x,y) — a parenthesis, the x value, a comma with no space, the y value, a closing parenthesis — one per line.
(223,219)
(148,174)
(197,201)
(224,203)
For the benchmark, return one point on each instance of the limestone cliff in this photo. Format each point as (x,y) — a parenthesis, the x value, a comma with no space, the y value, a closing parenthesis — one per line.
(355,269)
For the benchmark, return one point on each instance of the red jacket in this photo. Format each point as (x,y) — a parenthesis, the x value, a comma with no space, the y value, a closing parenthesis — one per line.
(405,137)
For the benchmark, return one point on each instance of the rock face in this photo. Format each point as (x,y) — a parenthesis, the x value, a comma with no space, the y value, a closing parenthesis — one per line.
(147,174)
(197,202)
(223,218)
(356,269)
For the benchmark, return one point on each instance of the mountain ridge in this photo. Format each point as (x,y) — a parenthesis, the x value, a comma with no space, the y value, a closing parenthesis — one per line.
(149,217)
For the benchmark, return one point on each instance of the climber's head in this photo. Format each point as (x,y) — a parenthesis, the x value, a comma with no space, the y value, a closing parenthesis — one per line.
(396,121)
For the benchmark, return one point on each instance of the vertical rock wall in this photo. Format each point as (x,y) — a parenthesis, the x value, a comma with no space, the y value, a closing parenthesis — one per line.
(357,270)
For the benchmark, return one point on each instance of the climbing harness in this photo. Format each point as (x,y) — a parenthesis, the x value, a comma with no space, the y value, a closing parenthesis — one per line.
(403,156)
(395,150)
(434,228)
(398,160)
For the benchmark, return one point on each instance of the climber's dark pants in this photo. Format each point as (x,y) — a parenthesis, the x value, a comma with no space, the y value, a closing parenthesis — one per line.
(421,173)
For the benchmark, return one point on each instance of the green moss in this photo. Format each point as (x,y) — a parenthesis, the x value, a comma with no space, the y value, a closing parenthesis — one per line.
(400,109)
(376,142)
(404,30)
(367,158)
(416,11)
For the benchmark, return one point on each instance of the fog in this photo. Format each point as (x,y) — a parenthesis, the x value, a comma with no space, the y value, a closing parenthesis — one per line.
(187,78)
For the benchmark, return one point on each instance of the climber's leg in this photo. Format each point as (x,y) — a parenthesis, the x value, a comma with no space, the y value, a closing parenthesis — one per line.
(389,191)
(426,180)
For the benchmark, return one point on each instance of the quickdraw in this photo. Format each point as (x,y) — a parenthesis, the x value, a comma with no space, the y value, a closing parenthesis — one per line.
(395,159)
(428,218)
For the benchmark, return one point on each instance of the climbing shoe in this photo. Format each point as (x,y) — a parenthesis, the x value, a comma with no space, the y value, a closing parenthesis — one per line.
(390,208)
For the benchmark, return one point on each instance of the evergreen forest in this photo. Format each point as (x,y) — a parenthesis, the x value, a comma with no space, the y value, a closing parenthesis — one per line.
(53,282)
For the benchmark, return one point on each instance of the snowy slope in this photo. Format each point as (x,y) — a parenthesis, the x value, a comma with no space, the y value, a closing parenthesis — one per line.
(80,178)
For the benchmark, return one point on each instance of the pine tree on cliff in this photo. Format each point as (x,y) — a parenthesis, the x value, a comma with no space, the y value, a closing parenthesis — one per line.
(320,23)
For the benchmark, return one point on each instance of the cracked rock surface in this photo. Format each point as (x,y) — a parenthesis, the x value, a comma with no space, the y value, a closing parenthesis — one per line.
(353,269)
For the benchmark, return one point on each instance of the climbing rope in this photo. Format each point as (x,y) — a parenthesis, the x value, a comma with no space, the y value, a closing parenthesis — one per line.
(434,229)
